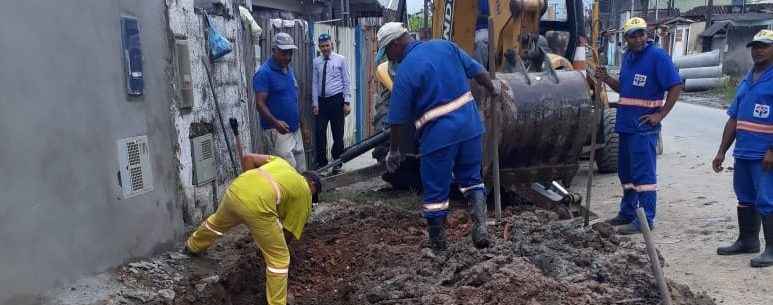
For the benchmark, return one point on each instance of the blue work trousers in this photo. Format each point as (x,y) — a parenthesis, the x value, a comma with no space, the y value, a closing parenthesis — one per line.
(636,169)
(753,185)
(458,162)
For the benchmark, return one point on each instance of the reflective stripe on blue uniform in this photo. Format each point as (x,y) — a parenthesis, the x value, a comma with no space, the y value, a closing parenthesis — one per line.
(751,109)
(644,79)
(432,74)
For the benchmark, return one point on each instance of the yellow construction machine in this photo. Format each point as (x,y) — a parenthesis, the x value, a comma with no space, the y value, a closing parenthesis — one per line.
(549,106)
(551,114)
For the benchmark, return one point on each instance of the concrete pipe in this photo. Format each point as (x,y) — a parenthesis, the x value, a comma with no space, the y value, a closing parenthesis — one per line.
(701,72)
(706,59)
(702,84)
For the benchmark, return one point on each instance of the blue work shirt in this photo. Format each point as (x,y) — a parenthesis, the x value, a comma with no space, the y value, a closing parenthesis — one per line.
(431,74)
(752,109)
(645,77)
(282,89)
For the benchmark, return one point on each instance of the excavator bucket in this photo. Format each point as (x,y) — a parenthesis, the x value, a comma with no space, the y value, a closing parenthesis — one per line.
(544,121)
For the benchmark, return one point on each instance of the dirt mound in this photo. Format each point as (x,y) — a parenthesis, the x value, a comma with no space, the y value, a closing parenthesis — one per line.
(374,254)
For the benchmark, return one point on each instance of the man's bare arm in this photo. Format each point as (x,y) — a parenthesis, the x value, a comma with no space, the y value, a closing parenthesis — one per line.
(251,161)
(265,113)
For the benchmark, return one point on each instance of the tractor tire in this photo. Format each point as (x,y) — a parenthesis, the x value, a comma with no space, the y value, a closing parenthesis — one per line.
(407,176)
(606,158)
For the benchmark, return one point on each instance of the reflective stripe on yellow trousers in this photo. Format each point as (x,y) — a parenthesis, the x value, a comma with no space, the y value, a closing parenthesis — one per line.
(265,229)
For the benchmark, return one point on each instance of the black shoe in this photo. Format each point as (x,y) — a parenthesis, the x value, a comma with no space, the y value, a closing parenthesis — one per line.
(749,232)
(478,210)
(618,221)
(631,229)
(766,258)
(436,227)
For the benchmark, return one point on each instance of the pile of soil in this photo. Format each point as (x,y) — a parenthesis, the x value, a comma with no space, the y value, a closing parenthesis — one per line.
(377,254)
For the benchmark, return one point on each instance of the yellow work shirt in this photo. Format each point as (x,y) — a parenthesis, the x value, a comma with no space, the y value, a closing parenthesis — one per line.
(255,190)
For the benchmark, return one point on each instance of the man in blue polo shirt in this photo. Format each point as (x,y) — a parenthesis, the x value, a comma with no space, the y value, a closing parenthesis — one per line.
(431,91)
(647,73)
(751,127)
(276,95)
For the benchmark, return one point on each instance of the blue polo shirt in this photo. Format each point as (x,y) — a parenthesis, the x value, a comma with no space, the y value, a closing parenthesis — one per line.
(645,77)
(431,74)
(752,109)
(282,89)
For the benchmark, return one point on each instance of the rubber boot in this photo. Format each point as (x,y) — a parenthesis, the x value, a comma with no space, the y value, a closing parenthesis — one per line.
(766,258)
(478,210)
(748,236)
(618,221)
(436,227)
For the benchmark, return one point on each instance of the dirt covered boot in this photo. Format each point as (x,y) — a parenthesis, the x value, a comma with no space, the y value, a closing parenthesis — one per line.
(766,258)
(478,210)
(436,227)
(749,232)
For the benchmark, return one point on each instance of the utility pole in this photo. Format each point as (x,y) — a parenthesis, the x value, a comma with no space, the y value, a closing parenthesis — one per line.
(710,13)
(633,8)
(656,11)
(426,16)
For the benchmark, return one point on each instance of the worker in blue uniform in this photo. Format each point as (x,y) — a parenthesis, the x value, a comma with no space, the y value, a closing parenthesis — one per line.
(750,126)
(647,72)
(431,91)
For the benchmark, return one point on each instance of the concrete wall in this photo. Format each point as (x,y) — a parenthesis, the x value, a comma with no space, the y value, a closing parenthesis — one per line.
(736,56)
(231,85)
(63,106)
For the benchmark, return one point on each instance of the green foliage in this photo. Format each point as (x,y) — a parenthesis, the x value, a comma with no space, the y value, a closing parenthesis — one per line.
(416,22)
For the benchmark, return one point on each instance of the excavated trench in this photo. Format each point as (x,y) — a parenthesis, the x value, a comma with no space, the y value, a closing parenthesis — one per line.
(354,253)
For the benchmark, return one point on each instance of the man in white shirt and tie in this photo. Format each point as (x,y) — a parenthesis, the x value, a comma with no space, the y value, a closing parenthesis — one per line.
(330,99)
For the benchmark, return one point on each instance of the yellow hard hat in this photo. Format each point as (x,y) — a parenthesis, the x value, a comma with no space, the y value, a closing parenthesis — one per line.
(762,37)
(634,24)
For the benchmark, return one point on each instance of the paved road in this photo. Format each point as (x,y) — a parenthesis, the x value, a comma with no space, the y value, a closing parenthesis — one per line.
(696,210)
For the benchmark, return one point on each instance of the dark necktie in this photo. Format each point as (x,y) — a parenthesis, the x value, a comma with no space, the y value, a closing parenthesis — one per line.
(324,78)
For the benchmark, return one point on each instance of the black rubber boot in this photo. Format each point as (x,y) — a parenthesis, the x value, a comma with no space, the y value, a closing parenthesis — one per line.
(618,221)
(766,258)
(478,210)
(748,236)
(436,227)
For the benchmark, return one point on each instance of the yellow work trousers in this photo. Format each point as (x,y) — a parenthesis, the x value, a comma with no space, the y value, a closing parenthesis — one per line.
(265,228)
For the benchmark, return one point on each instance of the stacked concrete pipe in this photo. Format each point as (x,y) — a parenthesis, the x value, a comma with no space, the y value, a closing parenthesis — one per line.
(700,72)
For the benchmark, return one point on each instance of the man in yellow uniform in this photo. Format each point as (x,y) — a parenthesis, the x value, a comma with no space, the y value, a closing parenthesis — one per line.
(269,196)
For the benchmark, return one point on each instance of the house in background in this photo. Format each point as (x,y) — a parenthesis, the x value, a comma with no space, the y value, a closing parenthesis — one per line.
(732,26)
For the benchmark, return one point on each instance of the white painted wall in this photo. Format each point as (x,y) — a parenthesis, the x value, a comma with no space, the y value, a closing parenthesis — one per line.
(230,86)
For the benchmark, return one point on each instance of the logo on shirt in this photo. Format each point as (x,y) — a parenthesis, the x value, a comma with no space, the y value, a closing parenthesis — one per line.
(639,80)
(761,111)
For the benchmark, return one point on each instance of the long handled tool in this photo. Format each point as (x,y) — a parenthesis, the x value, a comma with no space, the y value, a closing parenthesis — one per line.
(600,92)
(494,115)
(653,254)
(592,161)
(235,128)
(220,117)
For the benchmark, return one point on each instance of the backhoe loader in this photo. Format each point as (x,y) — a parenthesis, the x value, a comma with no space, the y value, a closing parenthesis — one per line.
(547,102)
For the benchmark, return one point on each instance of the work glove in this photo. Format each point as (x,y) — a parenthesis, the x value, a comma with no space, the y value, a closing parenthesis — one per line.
(393,160)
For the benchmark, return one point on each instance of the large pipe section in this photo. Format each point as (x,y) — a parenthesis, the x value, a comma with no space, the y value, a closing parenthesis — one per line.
(706,59)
